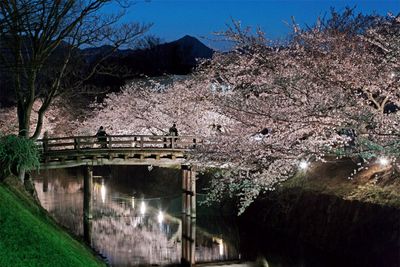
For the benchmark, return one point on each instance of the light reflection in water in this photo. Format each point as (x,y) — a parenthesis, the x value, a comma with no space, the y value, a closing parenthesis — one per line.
(220,243)
(160,217)
(121,232)
(133,202)
(142,208)
(103,191)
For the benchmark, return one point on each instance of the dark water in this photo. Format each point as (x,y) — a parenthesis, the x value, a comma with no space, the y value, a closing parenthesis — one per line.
(136,215)
(289,228)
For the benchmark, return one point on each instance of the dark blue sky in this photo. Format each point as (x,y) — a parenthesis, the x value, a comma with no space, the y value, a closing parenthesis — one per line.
(175,18)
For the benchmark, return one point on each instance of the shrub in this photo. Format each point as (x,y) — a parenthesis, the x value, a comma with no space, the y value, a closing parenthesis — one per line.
(17,153)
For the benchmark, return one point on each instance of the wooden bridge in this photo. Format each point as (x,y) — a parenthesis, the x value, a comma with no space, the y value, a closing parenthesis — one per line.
(163,151)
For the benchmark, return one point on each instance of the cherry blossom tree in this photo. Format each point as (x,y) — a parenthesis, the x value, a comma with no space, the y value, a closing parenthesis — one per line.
(151,107)
(332,89)
(266,109)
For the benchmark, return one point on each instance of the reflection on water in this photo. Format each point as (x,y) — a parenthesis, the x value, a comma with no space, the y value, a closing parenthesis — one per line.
(129,229)
(103,191)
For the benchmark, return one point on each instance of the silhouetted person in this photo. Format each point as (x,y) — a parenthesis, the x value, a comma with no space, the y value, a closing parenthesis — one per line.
(102,137)
(173,132)
(264,131)
(216,127)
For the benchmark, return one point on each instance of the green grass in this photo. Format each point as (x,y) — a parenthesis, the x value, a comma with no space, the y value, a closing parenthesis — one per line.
(28,237)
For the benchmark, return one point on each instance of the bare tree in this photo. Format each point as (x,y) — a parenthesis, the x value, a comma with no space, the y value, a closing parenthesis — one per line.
(149,42)
(40,41)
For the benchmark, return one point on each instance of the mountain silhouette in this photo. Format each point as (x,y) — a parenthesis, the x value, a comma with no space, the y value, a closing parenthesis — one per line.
(190,49)
(176,57)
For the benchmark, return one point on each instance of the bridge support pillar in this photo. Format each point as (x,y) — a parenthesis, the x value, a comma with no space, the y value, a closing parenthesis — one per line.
(188,215)
(46,181)
(87,204)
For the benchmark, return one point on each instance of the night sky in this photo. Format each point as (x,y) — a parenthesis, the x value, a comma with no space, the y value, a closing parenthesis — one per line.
(200,18)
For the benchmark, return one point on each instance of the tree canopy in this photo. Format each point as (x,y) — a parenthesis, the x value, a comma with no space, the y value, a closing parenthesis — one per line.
(266,109)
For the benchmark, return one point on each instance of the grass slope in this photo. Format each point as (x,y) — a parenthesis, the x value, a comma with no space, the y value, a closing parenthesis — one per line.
(28,237)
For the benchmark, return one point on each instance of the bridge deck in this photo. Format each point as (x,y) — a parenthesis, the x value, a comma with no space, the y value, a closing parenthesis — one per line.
(115,150)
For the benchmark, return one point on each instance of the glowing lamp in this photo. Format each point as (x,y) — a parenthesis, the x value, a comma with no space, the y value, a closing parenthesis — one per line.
(383,161)
(303,165)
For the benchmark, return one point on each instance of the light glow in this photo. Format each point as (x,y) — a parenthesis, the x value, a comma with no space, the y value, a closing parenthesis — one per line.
(160,217)
(220,243)
(142,208)
(221,248)
(103,192)
(304,165)
(383,161)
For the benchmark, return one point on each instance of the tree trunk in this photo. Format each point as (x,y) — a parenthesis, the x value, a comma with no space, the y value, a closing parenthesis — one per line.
(24,113)
(39,124)
(21,174)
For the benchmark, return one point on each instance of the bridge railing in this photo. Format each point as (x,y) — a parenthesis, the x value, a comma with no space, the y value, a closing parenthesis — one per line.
(119,142)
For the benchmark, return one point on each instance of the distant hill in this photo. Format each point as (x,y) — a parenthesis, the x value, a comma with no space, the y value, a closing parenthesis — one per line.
(177,57)
(189,49)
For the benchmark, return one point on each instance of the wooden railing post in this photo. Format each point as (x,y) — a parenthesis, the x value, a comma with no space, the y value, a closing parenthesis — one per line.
(77,144)
(109,142)
(172,142)
(141,142)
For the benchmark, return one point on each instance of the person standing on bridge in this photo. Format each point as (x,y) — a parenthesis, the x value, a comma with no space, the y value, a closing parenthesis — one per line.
(173,131)
(102,137)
